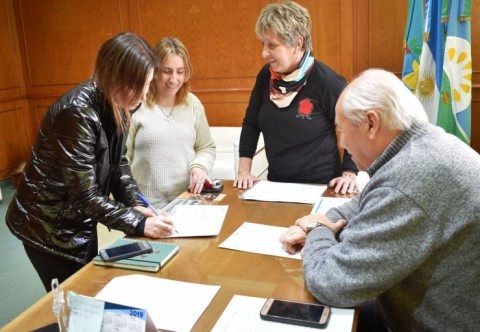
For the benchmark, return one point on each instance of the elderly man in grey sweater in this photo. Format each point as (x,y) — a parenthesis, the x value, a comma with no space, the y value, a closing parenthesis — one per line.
(411,238)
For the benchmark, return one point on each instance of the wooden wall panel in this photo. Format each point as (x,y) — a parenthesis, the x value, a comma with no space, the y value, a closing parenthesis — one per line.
(49,46)
(347,38)
(219,35)
(14,132)
(61,38)
(378,28)
(475,139)
(14,136)
(225,53)
(11,80)
(386,30)
(326,30)
(224,108)
(361,29)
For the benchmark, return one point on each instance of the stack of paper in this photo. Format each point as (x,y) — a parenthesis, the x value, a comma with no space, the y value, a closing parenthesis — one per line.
(284,192)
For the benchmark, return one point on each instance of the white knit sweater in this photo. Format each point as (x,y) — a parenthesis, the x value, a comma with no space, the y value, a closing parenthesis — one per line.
(163,149)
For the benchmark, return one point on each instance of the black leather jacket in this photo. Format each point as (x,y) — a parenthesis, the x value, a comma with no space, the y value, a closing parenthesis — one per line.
(78,160)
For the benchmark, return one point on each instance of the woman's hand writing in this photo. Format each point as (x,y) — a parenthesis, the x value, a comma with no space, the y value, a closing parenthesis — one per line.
(158,227)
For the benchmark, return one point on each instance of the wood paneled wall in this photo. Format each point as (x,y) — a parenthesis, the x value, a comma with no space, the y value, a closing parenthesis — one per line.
(49,46)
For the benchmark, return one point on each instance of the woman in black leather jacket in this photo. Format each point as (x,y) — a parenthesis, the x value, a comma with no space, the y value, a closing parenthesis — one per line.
(78,163)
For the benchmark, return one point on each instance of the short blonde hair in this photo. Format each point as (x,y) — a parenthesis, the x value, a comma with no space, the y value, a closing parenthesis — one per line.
(164,48)
(288,20)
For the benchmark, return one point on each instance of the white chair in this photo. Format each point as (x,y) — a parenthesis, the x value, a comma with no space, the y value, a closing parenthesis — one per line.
(226,162)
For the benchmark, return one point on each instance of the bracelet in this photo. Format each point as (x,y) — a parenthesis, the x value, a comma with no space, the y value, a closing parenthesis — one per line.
(351,176)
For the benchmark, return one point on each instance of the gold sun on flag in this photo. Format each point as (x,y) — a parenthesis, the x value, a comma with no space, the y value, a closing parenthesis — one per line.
(426,86)
(459,64)
(411,79)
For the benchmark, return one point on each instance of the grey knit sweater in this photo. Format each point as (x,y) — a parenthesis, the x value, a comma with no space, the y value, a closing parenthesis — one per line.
(412,239)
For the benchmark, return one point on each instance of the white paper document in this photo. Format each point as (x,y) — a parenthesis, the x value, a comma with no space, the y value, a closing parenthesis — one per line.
(243,315)
(198,220)
(326,203)
(173,305)
(259,239)
(284,192)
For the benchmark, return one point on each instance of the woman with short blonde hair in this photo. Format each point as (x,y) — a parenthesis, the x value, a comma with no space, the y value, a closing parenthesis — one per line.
(293,105)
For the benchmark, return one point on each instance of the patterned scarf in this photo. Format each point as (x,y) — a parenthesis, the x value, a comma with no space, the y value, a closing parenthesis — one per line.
(283,88)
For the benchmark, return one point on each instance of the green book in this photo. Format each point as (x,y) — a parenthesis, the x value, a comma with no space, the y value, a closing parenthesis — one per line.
(152,262)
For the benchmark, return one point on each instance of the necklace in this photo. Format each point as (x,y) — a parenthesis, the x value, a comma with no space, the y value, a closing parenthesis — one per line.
(168,115)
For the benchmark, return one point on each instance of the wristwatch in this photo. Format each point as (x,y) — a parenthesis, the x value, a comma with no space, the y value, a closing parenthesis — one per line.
(311,226)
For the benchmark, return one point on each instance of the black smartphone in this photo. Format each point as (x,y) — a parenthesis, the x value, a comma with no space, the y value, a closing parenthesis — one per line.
(125,251)
(297,313)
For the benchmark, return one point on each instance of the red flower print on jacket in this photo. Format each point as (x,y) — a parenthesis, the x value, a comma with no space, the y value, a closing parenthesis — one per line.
(305,108)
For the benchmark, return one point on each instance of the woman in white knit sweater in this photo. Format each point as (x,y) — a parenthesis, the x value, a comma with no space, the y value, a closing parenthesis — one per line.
(170,148)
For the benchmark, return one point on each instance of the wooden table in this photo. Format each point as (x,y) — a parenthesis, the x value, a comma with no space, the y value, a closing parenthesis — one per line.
(201,261)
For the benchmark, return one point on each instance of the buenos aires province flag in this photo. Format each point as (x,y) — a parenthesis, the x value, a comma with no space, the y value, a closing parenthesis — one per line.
(456,90)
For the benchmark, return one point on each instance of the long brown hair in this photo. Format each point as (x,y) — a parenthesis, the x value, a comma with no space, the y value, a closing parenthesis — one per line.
(164,48)
(123,64)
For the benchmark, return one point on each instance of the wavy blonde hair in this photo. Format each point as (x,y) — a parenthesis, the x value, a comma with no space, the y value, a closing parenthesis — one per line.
(164,48)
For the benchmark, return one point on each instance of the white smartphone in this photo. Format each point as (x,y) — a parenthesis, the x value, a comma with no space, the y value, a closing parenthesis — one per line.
(125,251)
(297,313)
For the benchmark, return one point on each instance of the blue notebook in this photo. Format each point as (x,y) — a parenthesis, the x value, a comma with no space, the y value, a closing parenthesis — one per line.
(152,262)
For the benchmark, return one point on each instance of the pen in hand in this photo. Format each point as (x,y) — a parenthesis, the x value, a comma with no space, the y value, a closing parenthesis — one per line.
(147,203)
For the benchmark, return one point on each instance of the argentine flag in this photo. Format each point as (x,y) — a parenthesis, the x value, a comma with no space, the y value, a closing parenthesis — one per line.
(431,60)
(444,84)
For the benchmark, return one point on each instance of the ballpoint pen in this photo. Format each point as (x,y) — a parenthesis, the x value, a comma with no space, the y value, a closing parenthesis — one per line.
(147,203)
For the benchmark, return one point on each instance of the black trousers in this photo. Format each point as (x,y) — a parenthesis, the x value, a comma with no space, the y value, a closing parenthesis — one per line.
(51,266)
